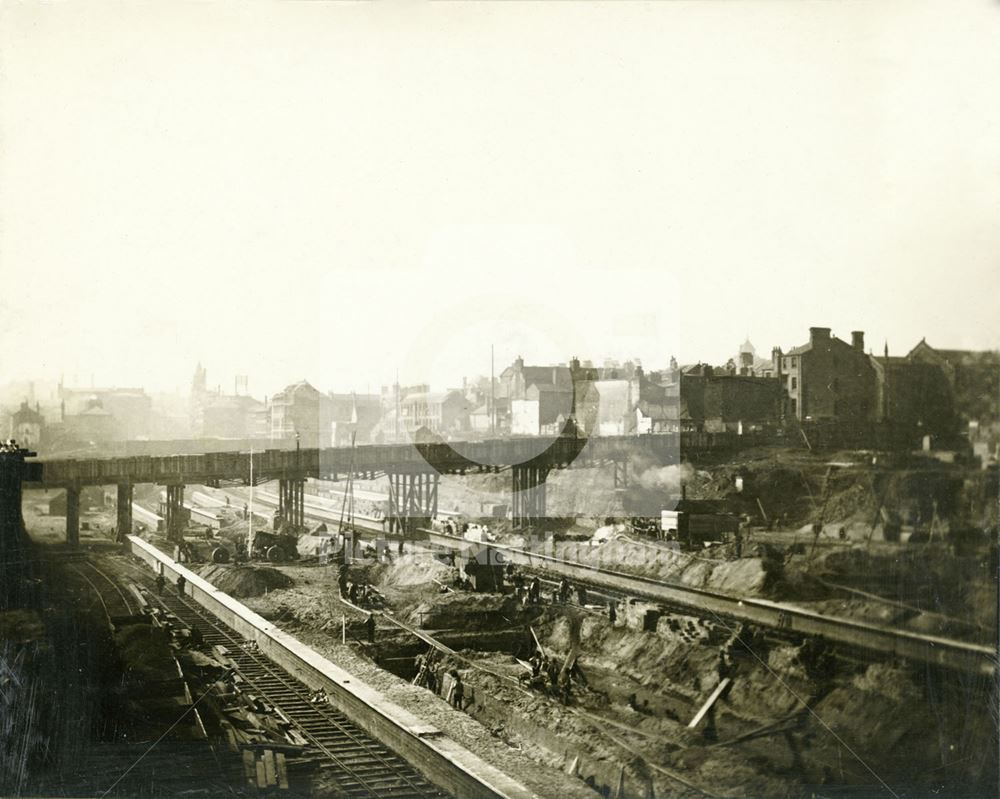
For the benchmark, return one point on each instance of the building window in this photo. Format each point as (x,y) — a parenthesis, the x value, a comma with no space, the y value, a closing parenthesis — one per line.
(793,361)
(795,405)
(795,383)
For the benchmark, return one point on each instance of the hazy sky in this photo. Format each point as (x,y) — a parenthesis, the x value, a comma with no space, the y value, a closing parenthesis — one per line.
(341,191)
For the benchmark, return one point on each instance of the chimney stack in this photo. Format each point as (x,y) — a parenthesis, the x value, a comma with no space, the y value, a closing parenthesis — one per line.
(858,340)
(817,334)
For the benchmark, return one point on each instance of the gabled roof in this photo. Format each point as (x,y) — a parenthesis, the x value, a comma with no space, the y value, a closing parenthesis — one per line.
(659,411)
(27,415)
(301,388)
(548,388)
(430,397)
(955,357)
(540,375)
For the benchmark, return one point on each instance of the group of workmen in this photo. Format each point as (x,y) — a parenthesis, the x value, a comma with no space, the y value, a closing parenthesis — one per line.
(548,676)
(360,594)
(431,672)
(531,593)
(161,583)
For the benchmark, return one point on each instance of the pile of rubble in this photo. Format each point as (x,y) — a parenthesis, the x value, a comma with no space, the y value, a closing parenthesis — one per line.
(245,581)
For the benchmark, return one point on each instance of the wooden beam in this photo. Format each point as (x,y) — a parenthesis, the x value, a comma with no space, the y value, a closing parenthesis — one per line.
(712,699)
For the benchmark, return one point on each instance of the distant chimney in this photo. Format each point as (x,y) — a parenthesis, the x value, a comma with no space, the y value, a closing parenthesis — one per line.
(817,334)
(858,340)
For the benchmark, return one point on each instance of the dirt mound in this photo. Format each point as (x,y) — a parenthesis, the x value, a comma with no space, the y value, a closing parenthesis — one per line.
(744,576)
(465,611)
(243,581)
(411,571)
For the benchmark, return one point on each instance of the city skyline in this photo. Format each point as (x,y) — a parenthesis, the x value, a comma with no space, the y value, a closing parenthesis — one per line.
(224,382)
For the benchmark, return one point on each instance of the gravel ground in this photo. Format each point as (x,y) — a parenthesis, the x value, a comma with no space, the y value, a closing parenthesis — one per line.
(521,764)
(313,601)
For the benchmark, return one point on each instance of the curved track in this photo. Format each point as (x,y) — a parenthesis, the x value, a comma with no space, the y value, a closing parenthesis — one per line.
(113,599)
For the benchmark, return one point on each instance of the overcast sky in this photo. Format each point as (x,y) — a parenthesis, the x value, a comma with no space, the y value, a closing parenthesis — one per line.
(341,191)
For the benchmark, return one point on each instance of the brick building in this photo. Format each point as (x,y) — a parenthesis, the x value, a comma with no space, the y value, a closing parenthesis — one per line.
(828,379)
(27,426)
(441,412)
(301,410)
(913,397)
(720,402)
(973,379)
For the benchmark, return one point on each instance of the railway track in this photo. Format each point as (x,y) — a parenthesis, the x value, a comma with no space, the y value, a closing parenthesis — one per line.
(357,765)
(855,636)
(113,599)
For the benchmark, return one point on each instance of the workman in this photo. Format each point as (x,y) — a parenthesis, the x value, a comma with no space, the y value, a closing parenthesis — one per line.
(458,691)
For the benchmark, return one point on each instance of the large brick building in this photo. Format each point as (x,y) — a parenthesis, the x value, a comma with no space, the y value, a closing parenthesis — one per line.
(828,379)
(972,377)
(914,397)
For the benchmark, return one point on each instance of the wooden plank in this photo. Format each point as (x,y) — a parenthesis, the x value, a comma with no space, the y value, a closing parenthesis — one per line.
(712,699)
(279,762)
(270,773)
(249,770)
(261,776)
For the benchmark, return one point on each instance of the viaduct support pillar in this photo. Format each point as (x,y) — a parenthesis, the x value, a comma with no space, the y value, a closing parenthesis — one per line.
(413,500)
(73,516)
(528,505)
(291,501)
(124,509)
(175,513)
(14,550)
(621,474)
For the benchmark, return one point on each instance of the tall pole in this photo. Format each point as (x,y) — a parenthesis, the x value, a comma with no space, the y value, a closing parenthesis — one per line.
(250,511)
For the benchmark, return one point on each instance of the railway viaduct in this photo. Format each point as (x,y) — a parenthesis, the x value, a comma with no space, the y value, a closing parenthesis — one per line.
(413,472)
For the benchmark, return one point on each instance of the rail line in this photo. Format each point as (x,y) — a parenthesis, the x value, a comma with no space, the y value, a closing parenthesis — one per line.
(115,592)
(360,766)
(787,619)
(448,767)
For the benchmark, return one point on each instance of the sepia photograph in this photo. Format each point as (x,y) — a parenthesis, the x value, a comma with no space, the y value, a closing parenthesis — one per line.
(499,400)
